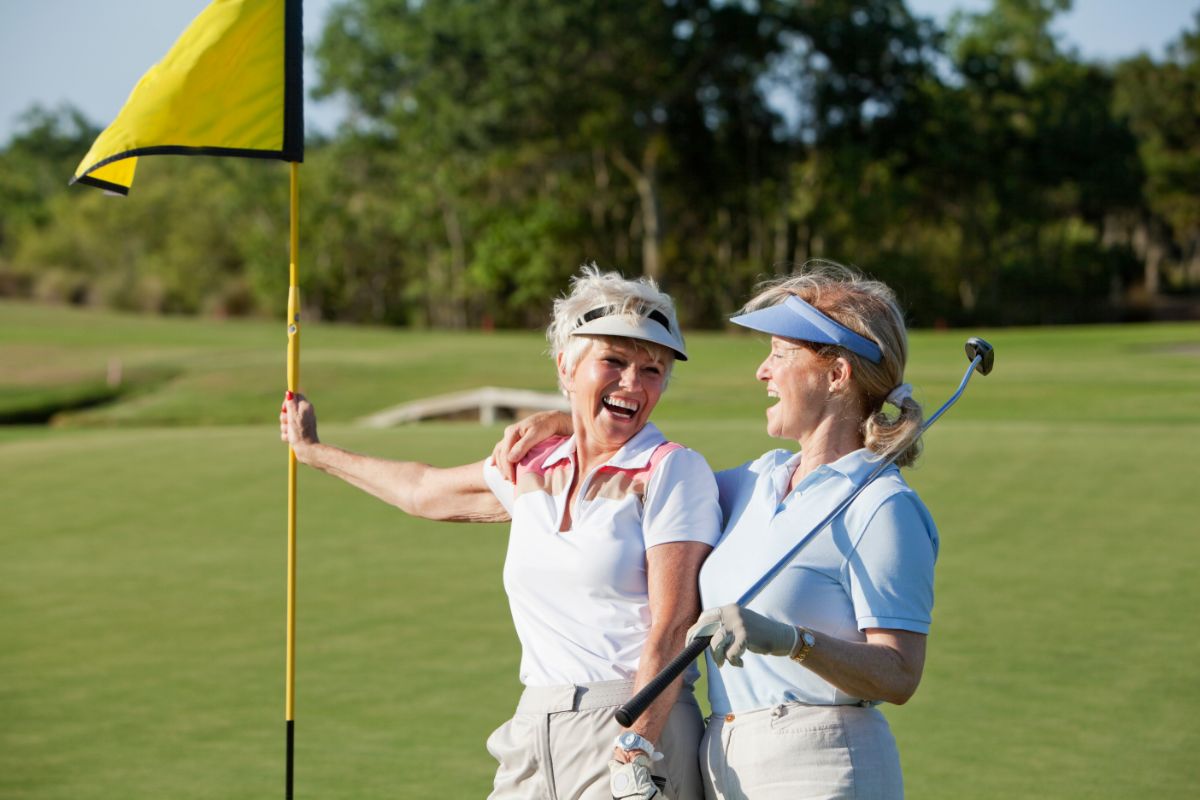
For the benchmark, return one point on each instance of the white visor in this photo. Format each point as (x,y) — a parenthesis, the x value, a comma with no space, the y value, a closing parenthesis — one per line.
(654,327)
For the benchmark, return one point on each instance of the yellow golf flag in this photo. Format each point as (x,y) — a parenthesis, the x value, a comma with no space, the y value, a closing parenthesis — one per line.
(232,85)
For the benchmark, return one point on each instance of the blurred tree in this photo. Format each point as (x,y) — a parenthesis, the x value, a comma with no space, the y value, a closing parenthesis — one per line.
(651,123)
(36,164)
(492,146)
(178,247)
(1026,159)
(1162,102)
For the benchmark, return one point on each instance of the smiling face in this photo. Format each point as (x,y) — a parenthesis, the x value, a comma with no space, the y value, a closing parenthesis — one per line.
(805,385)
(613,389)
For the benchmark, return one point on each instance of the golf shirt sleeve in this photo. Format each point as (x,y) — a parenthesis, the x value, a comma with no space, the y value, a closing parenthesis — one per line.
(505,492)
(681,501)
(890,572)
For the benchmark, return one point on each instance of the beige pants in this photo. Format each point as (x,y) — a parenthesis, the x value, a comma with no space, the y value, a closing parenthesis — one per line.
(801,752)
(558,744)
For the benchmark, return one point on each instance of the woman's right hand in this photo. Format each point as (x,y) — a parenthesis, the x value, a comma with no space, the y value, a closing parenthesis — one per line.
(298,424)
(734,630)
(521,437)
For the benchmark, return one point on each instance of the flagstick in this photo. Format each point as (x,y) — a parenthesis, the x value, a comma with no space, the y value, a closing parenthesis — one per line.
(293,382)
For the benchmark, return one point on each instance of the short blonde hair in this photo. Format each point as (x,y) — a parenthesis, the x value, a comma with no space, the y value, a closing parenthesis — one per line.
(592,289)
(869,308)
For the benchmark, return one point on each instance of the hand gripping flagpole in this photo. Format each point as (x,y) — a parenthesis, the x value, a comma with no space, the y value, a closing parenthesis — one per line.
(982,357)
(293,384)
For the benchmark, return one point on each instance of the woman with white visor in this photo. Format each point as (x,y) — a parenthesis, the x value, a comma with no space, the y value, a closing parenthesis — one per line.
(609,528)
(794,681)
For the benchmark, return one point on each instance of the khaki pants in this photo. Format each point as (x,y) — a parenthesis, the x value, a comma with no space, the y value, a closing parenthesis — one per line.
(558,744)
(801,752)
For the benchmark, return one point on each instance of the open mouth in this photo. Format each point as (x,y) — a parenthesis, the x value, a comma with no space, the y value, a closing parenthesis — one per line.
(622,409)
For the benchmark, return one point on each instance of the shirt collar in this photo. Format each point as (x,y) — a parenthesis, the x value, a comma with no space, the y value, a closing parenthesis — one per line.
(561,453)
(855,466)
(634,454)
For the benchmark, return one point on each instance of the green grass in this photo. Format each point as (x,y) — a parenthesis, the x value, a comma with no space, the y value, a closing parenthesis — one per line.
(189,372)
(142,552)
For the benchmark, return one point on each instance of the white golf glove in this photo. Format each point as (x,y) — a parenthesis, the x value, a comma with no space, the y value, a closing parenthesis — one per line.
(734,630)
(633,781)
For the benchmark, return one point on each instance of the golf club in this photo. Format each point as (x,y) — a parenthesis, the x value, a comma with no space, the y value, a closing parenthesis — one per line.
(982,358)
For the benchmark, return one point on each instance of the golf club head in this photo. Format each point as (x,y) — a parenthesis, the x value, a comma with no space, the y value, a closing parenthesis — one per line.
(987,356)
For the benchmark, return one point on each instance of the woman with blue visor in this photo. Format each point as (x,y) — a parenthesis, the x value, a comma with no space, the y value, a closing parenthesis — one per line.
(795,680)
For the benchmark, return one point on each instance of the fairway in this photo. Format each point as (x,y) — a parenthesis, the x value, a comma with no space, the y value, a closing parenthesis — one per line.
(143,541)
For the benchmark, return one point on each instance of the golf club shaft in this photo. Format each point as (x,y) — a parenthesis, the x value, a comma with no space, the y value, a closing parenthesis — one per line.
(637,704)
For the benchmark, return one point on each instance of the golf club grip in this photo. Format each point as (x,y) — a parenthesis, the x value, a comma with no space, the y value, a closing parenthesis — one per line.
(634,707)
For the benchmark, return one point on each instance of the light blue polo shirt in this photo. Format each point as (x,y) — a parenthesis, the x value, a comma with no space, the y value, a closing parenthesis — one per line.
(872,567)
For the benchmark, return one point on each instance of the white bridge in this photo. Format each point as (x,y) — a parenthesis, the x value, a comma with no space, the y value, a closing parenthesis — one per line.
(488,404)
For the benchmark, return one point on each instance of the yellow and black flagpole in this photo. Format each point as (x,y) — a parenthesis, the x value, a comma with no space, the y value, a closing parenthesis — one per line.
(294,143)
(230,86)
(293,384)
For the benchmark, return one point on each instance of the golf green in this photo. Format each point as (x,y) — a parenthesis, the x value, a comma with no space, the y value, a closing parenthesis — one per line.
(142,564)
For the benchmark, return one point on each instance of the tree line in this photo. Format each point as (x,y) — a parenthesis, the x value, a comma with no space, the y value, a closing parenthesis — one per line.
(987,171)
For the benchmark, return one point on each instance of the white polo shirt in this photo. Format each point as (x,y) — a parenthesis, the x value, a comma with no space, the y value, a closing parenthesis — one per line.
(872,567)
(579,598)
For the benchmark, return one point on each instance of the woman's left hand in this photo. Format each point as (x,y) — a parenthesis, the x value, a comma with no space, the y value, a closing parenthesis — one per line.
(734,630)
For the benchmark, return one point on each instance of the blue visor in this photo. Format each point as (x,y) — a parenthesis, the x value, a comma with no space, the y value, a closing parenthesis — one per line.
(796,319)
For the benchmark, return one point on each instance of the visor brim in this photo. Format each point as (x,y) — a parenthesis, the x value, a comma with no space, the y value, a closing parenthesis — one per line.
(644,329)
(796,319)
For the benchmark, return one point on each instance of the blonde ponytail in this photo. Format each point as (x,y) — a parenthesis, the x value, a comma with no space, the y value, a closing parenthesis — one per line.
(900,434)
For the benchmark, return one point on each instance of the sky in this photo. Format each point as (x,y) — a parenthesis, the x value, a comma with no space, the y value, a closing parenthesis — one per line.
(90,53)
